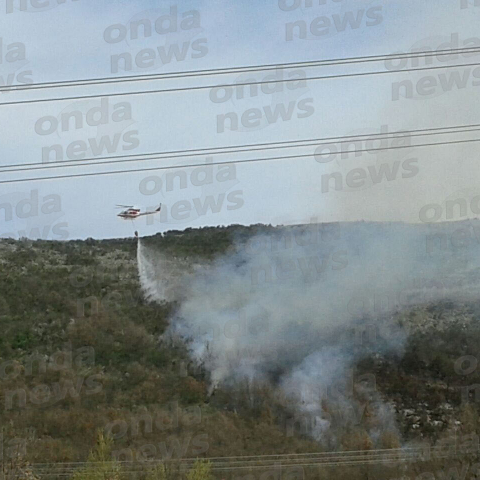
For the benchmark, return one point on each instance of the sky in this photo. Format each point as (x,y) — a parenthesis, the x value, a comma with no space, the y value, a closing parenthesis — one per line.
(72,40)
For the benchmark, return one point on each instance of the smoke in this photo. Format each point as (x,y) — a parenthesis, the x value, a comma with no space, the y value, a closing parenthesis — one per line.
(292,309)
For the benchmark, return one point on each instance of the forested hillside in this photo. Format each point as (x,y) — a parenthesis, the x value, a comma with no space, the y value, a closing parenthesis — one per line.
(82,351)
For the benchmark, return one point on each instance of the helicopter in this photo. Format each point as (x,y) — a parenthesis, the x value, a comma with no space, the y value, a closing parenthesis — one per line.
(131,212)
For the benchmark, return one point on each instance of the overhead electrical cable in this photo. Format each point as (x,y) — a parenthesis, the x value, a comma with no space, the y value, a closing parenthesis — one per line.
(230,85)
(255,160)
(238,148)
(239,70)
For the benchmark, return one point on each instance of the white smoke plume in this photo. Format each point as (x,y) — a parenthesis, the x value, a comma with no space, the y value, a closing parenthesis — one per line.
(284,308)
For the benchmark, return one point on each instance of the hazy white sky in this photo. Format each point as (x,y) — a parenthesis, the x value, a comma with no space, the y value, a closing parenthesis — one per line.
(53,40)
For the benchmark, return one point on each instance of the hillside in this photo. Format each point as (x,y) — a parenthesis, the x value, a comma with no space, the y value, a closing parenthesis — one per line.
(81,349)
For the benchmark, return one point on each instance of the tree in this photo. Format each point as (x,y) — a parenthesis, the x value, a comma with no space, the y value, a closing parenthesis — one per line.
(99,465)
(157,472)
(201,470)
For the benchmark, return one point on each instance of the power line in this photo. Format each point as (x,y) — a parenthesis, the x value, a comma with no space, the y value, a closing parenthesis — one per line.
(255,462)
(238,70)
(227,85)
(260,457)
(254,160)
(349,454)
(325,459)
(239,149)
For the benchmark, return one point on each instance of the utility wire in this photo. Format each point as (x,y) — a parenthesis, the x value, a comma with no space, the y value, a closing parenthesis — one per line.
(365,457)
(254,160)
(239,149)
(238,70)
(227,85)
(350,454)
